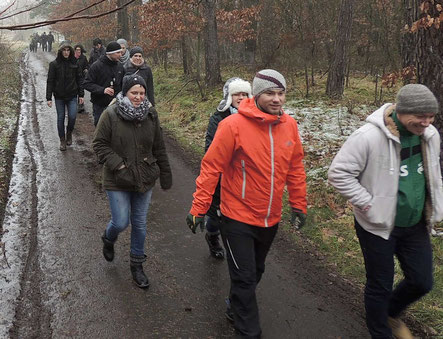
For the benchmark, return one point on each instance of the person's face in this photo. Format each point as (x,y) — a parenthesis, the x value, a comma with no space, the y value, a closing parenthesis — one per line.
(271,101)
(65,52)
(137,57)
(78,50)
(136,95)
(416,123)
(237,98)
(98,46)
(115,56)
(123,48)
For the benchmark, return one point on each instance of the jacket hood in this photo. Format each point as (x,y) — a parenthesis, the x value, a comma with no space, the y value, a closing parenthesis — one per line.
(249,109)
(60,52)
(381,118)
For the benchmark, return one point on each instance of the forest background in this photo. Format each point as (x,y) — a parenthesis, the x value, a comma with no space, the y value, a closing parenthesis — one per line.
(341,59)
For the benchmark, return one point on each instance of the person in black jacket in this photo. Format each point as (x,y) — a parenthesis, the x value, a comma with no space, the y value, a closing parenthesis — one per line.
(97,51)
(50,39)
(104,79)
(65,83)
(234,91)
(83,64)
(137,65)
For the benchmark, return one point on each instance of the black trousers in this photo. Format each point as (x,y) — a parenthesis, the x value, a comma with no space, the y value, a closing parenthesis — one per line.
(247,247)
(413,249)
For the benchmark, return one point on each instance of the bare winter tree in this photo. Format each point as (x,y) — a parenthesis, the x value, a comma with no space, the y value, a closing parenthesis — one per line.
(337,69)
(212,58)
(422,47)
(122,21)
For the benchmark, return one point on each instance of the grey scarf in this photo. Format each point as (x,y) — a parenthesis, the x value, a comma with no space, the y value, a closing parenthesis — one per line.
(127,111)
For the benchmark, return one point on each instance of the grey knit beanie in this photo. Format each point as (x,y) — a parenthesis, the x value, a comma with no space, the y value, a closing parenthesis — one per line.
(416,99)
(135,49)
(267,79)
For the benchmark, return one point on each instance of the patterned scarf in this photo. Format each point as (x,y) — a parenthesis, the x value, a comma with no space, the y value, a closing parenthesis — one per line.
(127,111)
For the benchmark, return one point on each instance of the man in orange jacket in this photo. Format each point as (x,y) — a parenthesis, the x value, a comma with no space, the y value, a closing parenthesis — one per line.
(258,151)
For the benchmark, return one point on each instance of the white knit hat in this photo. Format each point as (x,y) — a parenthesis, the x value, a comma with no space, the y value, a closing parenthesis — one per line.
(267,79)
(233,86)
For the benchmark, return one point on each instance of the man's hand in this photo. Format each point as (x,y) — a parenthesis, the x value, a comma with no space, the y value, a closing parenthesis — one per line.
(81,101)
(194,221)
(109,91)
(49,103)
(298,218)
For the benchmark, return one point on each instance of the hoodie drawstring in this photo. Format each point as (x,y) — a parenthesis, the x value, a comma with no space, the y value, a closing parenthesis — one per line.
(391,157)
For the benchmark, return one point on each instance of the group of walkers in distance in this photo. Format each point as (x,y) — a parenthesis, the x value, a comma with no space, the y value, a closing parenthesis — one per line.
(388,169)
(45,41)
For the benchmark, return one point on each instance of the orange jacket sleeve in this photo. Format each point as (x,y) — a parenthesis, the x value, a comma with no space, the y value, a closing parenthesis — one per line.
(217,157)
(296,178)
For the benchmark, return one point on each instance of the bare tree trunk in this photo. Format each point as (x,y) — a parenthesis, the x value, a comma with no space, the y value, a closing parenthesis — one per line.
(122,21)
(424,50)
(212,57)
(134,22)
(185,56)
(337,69)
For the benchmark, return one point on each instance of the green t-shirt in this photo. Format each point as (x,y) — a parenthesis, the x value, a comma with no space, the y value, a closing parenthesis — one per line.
(412,184)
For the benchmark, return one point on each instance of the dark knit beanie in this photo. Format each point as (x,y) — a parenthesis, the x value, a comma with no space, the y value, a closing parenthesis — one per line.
(267,79)
(416,99)
(113,47)
(131,80)
(136,49)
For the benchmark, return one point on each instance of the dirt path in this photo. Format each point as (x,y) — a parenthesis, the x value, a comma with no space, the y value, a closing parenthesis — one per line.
(57,284)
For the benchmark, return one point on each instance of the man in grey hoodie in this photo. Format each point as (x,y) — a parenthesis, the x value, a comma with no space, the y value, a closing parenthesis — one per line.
(389,170)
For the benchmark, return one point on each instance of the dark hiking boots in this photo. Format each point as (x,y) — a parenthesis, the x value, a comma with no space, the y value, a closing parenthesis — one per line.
(214,246)
(69,138)
(229,314)
(108,248)
(139,277)
(62,144)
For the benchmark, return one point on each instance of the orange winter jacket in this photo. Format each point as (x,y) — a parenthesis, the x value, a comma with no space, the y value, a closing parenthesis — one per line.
(257,154)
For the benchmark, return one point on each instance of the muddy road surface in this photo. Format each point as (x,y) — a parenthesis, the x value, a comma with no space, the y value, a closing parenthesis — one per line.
(55,282)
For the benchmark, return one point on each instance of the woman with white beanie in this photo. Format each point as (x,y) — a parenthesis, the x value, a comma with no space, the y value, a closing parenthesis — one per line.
(234,91)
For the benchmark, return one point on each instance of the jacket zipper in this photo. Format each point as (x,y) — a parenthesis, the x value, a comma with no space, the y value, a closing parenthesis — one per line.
(243,189)
(271,140)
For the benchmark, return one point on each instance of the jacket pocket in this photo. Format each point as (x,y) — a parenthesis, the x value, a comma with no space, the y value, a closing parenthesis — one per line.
(382,210)
(149,170)
(124,178)
(243,187)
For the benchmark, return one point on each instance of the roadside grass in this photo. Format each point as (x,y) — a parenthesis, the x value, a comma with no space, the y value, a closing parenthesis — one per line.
(10,93)
(324,125)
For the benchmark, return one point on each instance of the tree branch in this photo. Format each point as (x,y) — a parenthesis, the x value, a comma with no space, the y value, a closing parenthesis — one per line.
(2,12)
(66,18)
(22,11)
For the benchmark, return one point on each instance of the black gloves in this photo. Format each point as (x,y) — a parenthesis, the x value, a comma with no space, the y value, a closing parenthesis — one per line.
(298,218)
(194,221)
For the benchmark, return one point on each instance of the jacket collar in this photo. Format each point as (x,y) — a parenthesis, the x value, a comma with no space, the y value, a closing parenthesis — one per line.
(249,109)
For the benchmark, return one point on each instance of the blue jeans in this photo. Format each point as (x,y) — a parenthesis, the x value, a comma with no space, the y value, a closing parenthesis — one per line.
(71,106)
(412,246)
(129,206)
(97,111)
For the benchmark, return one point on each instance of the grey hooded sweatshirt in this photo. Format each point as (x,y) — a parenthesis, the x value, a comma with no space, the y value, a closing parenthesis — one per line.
(366,172)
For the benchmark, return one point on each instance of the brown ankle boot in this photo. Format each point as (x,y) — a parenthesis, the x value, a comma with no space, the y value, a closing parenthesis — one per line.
(69,138)
(62,144)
